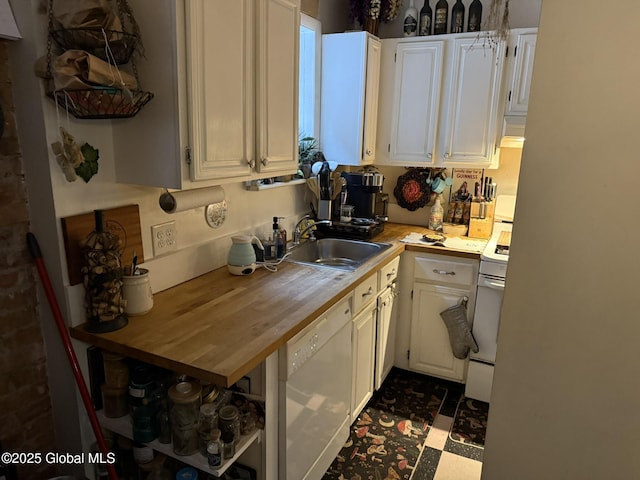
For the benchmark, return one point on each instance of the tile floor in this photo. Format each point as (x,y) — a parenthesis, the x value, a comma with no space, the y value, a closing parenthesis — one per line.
(443,458)
(451,450)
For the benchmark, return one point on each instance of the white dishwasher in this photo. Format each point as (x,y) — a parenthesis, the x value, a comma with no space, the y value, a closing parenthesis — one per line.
(315,395)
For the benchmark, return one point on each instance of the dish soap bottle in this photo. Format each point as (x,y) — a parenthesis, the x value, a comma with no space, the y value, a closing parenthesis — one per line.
(435,217)
(279,239)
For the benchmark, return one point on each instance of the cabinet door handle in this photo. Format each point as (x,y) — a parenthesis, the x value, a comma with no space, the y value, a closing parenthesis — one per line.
(443,272)
(391,273)
(251,163)
(429,155)
(368,292)
(368,151)
(264,161)
(446,155)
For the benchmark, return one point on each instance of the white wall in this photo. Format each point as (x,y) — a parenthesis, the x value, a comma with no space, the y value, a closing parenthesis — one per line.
(565,397)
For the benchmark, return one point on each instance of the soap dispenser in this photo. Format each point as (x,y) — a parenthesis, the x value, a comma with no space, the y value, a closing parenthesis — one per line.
(283,236)
(279,239)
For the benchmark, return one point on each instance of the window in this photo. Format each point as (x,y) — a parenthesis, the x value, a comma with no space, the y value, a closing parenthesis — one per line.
(309,77)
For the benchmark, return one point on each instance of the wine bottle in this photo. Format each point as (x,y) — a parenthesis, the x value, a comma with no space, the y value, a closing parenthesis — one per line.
(441,17)
(475,16)
(411,20)
(457,17)
(425,19)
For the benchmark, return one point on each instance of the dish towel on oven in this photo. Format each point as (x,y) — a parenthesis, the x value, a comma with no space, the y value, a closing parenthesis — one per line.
(460,336)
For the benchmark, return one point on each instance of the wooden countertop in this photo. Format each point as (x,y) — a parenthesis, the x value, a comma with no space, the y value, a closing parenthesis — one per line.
(218,327)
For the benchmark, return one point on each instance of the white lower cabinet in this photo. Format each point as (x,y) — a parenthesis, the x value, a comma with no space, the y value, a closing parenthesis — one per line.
(364,344)
(439,282)
(385,334)
(430,348)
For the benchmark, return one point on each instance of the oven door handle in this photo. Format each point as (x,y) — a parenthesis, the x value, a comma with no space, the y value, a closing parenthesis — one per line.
(491,283)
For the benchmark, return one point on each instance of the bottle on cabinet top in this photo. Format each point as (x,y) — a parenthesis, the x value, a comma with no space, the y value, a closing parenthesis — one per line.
(475,16)
(441,17)
(426,15)
(457,17)
(411,20)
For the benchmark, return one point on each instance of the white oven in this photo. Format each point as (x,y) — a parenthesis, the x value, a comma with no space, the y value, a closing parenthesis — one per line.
(486,319)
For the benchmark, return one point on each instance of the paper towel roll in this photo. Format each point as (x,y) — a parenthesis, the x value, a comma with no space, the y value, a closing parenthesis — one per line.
(172,202)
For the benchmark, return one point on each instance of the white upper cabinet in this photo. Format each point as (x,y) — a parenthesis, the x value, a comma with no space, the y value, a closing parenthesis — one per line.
(277,87)
(416,101)
(349,97)
(221,68)
(224,75)
(472,100)
(440,104)
(520,55)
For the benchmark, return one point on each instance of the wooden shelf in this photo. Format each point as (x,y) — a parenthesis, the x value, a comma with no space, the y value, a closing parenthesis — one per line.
(122,426)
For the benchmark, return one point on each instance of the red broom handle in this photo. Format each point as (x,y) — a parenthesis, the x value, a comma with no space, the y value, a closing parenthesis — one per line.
(34,248)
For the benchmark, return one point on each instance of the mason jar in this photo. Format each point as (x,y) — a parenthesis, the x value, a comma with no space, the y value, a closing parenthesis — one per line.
(184,417)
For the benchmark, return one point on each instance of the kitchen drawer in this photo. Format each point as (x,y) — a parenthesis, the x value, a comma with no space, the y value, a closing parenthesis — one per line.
(388,273)
(445,271)
(365,292)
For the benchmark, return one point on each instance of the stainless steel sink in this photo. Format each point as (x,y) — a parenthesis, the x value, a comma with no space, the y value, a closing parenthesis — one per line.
(336,253)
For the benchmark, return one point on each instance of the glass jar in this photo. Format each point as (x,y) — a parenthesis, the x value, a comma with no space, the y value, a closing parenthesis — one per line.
(214,449)
(141,385)
(184,417)
(115,401)
(143,422)
(163,421)
(208,421)
(229,424)
(116,372)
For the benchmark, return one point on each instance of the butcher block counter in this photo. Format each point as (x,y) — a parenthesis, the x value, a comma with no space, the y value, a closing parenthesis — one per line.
(218,327)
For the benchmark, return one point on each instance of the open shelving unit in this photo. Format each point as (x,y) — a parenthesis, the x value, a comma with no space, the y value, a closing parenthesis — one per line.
(122,426)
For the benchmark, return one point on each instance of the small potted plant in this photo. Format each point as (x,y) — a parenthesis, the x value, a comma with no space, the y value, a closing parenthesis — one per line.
(307,149)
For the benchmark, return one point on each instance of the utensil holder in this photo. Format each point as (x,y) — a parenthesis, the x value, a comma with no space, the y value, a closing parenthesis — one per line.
(324,209)
(136,290)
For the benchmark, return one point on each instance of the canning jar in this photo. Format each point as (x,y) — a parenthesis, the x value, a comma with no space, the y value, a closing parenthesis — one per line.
(184,417)
(208,421)
(229,424)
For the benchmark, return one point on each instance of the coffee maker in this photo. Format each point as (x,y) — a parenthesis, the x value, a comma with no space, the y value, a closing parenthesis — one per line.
(364,192)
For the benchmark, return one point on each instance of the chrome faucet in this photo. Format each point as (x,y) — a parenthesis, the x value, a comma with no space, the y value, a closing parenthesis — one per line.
(299,232)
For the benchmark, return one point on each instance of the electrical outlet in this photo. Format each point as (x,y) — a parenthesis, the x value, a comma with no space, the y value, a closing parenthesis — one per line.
(164,237)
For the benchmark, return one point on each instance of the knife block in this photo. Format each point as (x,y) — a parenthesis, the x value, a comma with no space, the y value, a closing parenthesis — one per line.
(481,221)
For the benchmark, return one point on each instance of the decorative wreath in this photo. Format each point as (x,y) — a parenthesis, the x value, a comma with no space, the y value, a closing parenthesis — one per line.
(412,190)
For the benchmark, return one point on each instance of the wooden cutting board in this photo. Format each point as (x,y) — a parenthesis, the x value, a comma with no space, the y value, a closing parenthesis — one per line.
(122,221)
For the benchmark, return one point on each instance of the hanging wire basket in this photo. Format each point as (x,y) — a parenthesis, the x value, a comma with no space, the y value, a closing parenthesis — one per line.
(101,103)
(116,47)
(95,41)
